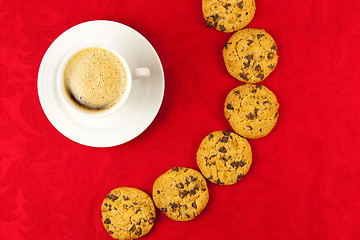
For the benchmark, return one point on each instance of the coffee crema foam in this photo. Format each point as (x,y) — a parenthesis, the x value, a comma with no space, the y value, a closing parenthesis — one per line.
(95,78)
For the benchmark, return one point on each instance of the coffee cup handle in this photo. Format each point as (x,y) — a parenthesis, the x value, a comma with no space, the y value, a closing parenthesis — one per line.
(141,73)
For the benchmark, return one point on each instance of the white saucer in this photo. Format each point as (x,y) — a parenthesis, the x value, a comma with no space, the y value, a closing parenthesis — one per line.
(145,97)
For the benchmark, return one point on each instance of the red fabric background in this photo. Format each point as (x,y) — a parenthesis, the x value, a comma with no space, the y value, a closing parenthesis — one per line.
(305,178)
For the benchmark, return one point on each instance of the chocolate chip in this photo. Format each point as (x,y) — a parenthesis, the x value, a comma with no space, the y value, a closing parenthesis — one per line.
(135,203)
(139,231)
(185,207)
(266,102)
(274,47)
(158,191)
(194,205)
(112,197)
(137,210)
(256,111)
(216,17)
(229,106)
(193,178)
(237,164)
(260,36)
(257,67)
(212,156)
(187,215)
(276,114)
(125,197)
(226,133)
(110,232)
(270,56)
(240,176)
(246,64)
(222,28)
(249,42)
(163,210)
(271,66)
(192,192)
(183,193)
(210,177)
(240,4)
(175,169)
(253,90)
(222,149)
(245,77)
(133,227)
(249,57)
(258,86)
(236,92)
(213,22)
(107,221)
(261,76)
(180,185)
(152,220)
(224,139)
(219,182)
(226,6)
(249,127)
(203,189)
(226,45)
(250,116)
(105,204)
(174,205)
(211,136)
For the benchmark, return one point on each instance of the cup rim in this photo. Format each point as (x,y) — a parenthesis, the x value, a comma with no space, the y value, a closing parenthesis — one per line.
(70,104)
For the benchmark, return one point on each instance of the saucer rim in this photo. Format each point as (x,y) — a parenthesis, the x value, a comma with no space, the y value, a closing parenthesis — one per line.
(46,104)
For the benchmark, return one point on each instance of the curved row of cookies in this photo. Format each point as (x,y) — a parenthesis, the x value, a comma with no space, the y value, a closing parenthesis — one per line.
(223,157)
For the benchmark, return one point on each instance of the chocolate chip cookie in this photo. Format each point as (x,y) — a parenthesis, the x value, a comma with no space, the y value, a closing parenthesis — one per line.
(127,213)
(224,157)
(252,110)
(250,55)
(228,15)
(181,193)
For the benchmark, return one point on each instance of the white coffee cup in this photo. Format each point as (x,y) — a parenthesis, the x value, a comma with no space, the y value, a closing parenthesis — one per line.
(78,108)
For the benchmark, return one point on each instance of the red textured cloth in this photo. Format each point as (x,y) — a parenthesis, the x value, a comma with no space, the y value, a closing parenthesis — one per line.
(305,177)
